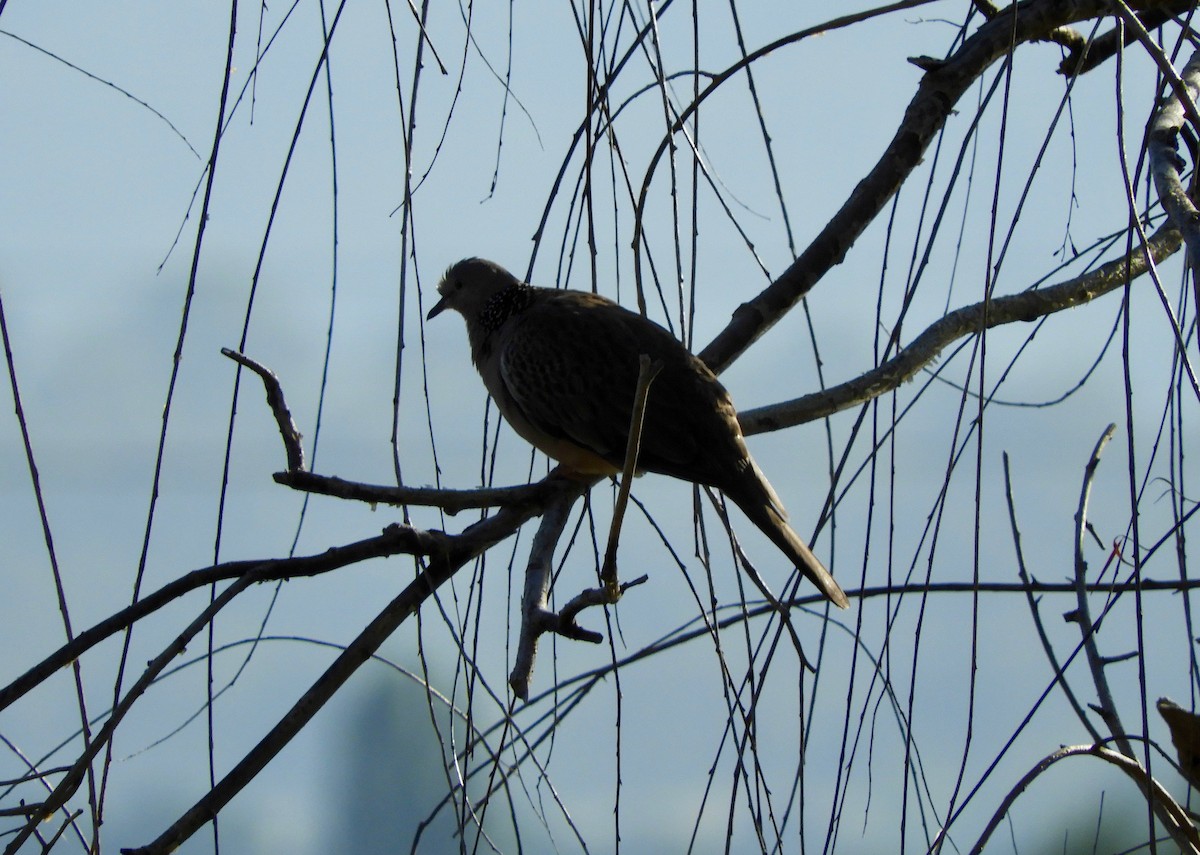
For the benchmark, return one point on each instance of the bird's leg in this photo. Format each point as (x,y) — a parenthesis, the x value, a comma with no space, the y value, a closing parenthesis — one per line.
(647,371)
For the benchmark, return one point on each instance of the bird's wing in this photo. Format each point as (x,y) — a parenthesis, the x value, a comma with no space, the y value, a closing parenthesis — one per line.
(570,379)
(571,365)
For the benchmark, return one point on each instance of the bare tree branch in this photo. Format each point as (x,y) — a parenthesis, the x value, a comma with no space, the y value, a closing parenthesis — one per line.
(1173,815)
(536,618)
(450,501)
(1165,162)
(1032,601)
(1106,708)
(1084,56)
(925,348)
(396,539)
(939,90)
(474,541)
(279,408)
(75,776)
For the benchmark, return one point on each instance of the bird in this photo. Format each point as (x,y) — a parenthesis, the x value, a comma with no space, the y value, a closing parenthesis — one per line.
(562,367)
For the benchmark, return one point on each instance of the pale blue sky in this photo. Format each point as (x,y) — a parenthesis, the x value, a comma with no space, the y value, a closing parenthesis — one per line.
(94,188)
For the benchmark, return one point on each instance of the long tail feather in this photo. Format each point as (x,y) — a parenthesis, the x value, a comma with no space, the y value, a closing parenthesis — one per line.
(765,514)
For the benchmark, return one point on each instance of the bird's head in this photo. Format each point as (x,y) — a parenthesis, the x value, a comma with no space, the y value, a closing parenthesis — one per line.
(470,285)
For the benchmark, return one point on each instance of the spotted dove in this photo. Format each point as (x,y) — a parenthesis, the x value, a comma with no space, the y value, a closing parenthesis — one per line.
(562,367)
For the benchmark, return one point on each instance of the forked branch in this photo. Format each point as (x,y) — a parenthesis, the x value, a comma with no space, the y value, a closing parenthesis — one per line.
(536,616)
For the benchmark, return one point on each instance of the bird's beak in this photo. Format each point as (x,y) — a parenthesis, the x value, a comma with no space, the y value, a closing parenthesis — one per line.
(437,309)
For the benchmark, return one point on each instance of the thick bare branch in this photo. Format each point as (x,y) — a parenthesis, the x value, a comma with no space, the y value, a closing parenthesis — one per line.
(1165,162)
(396,539)
(1085,56)
(940,89)
(1025,306)
(1068,37)
(536,618)
(450,501)
(535,602)
(473,541)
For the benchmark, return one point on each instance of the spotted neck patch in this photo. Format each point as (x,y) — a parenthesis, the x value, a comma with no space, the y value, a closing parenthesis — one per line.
(503,305)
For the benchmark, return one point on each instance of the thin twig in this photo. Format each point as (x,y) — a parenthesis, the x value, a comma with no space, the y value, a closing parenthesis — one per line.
(275,400)
(103,82)
(1082,614)
(1032,601)
(647,371)
(781,607)
(1173,815)
(1183,93)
